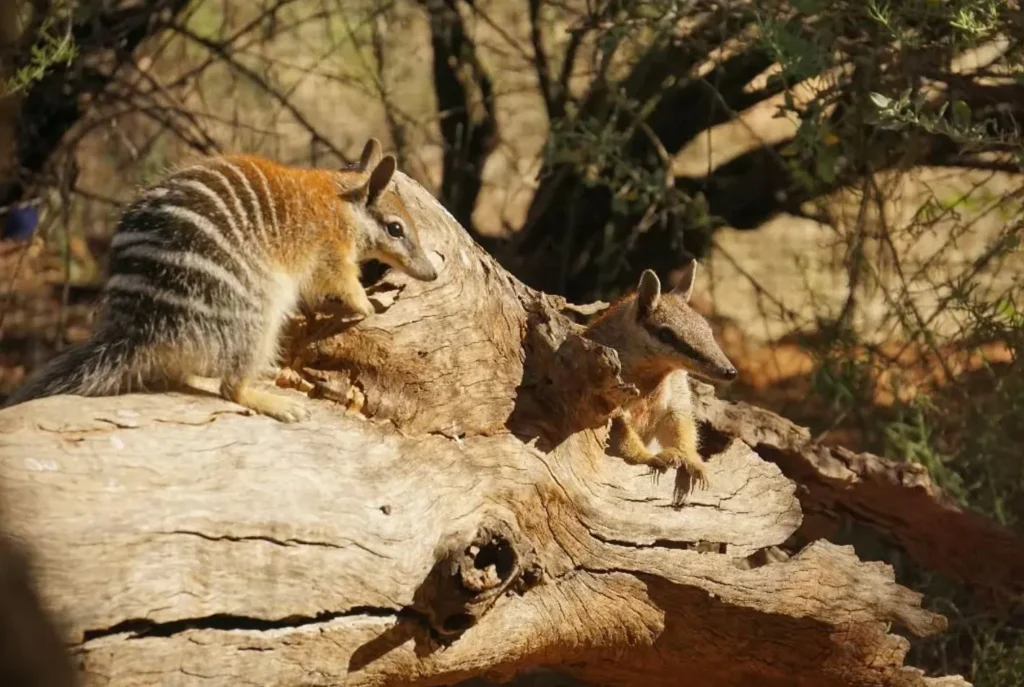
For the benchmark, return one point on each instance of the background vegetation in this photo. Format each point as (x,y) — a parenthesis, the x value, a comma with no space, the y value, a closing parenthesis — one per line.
(849,173)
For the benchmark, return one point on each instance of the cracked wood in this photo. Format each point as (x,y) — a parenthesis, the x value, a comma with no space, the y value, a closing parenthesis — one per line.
(179,540)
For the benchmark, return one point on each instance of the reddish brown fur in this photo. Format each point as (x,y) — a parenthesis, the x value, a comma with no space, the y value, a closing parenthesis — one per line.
(309,208)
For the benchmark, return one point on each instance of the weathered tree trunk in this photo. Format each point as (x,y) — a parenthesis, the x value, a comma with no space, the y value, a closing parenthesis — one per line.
(468,525)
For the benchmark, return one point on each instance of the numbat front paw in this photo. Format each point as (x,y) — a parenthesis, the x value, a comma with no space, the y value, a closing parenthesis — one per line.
(363,307)
(690,474)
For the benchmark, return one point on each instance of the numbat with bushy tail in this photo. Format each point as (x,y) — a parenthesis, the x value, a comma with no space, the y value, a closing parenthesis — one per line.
(207,265)
(660,340)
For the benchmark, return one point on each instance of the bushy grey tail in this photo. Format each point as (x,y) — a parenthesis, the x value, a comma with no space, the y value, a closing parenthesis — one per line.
(93,368)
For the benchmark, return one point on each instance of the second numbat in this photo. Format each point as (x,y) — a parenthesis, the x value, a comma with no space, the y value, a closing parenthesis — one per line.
(661,340)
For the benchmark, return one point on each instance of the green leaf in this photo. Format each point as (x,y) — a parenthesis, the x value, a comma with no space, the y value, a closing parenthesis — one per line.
(825,167)
(961,114)
(881,102)
(1004,308)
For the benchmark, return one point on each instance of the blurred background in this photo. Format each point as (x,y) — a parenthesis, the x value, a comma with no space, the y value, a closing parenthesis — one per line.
(849,173)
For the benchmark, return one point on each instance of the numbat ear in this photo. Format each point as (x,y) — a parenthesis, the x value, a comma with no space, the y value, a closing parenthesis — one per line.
(371,155)
(648,293)
(685,286)
(380,178)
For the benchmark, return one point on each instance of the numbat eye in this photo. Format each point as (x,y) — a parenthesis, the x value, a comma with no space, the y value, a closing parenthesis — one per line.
(395,230)
(666,336)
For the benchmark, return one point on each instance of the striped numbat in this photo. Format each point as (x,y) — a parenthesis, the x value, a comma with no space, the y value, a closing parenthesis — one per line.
(207,265)
(661,340)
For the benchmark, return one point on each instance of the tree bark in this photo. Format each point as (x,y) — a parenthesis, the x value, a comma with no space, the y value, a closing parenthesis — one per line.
(897,501)
(461,520)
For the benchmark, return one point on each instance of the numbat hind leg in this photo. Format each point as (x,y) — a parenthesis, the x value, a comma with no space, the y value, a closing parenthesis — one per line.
(264,402)
(245,362)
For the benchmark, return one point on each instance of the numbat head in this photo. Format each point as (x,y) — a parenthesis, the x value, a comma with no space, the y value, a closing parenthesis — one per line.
(676,332)
(206,266)
(388,231)
(658,332)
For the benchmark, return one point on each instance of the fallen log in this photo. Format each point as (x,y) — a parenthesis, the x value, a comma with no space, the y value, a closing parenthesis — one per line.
(447,513)
(898,501)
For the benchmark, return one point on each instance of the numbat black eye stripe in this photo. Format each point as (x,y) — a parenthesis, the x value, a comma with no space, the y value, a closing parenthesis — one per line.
(677,343)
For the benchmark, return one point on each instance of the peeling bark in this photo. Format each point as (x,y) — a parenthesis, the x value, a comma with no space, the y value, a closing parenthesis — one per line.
(897,500)
(466,496)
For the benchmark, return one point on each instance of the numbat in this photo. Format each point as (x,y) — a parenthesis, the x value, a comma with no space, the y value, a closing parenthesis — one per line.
(207,265)
(660,339)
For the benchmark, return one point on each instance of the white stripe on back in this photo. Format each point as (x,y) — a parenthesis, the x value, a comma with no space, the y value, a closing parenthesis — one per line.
(155,193)
(286,195)
(257,211)
(133,283)
(208,228)
(189,261)
(270,198)
(214,197)
(242,216)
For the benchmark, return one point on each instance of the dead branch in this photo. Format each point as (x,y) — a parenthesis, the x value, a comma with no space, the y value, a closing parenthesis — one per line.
(897,500)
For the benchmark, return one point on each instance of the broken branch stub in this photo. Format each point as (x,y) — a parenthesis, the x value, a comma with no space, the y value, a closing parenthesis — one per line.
(179,540)
(468,577)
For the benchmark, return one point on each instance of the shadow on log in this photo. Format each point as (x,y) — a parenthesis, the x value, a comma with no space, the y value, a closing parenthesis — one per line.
(31,652)
(464,496)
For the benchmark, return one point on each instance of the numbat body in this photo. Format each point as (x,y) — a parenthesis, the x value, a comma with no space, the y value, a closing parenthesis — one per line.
(207,265)
(660,340)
